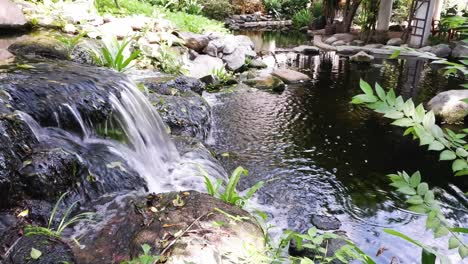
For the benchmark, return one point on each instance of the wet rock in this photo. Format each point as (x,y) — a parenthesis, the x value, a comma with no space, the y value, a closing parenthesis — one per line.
(11,16)
(441,50)
(204,65)
(394,42)
(52,251)
(39,47)
(211,80)
(324,222)
(185,115)
(361,57)
(178,86)
(194,41)
(460,50)
(173,213)
(307,50)
(449,105)
(267,82)
(373,46)
(357,42)
(330,40)
(85,51)
(257,64)
(290,76)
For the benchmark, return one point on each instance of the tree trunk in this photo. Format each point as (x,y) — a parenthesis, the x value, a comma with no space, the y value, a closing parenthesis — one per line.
(350,12)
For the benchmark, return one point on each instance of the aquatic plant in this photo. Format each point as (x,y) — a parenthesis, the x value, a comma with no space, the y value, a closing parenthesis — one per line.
(113,54)
(230,194)
(64,222)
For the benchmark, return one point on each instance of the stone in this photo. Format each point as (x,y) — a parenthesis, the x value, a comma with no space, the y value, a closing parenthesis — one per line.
(211,80)
(118,28)
(5,56)
(307,50)
(187,115)
(361,57)
(441,50)
(235,60)
(39,47)
(70,29)
(346,37)
(267,82)
(178,86)
(208,244)
(460,51)
(324,222)
(11,16)
(449,105)
(53,250)
(394,42)
(204,65)
(290,76)
(357,42)
(214,47)
(339,43)
(330,40)
(374,46)
(77,11)
(194,41)
(425,49)
(257,64)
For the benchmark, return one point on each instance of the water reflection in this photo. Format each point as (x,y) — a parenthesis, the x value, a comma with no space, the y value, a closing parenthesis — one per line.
(324,155)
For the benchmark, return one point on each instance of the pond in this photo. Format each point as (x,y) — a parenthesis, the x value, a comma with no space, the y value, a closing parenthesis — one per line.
(323,156)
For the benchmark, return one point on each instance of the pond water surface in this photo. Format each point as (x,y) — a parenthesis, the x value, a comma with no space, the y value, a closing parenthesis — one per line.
(323,156)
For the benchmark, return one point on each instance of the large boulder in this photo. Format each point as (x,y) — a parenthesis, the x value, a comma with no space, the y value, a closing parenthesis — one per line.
(290,76)
(460,51)
(11,16)
(204,65)
(346,37)
(194,41)
(118,28)
(441,50)
(235,60)
(449,105)
(44,47)
(178,226)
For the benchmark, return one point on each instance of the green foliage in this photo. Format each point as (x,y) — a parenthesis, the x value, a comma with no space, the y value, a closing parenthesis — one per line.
(127,7)
(194,23)
(145,258)
(189,6)
(302,18)
(169,61)
(217,9)
(113,54)
(419,123)
(285,8)
(230,194)
(422,200)
(65,221)
(70,42)
(223,75)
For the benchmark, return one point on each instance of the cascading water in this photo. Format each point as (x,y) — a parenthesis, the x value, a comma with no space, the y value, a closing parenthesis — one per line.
(146,150)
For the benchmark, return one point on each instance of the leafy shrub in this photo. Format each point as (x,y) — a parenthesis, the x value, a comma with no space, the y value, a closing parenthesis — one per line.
(302,18)
(168,61)
(113,54)
(194,23)
(247,6)
(273,7)
(285,8)
(217,9)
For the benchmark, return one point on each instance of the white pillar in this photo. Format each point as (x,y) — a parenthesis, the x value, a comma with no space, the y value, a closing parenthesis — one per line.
(438,9)
(385,13)
(426,8)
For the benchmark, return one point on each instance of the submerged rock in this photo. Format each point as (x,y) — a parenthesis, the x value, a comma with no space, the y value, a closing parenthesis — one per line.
(180,225)
(324,222)
(449,105)
(257,64)
(290,76)
(266,82)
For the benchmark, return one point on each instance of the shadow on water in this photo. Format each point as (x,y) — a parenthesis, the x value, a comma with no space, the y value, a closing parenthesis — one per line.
(323,155)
